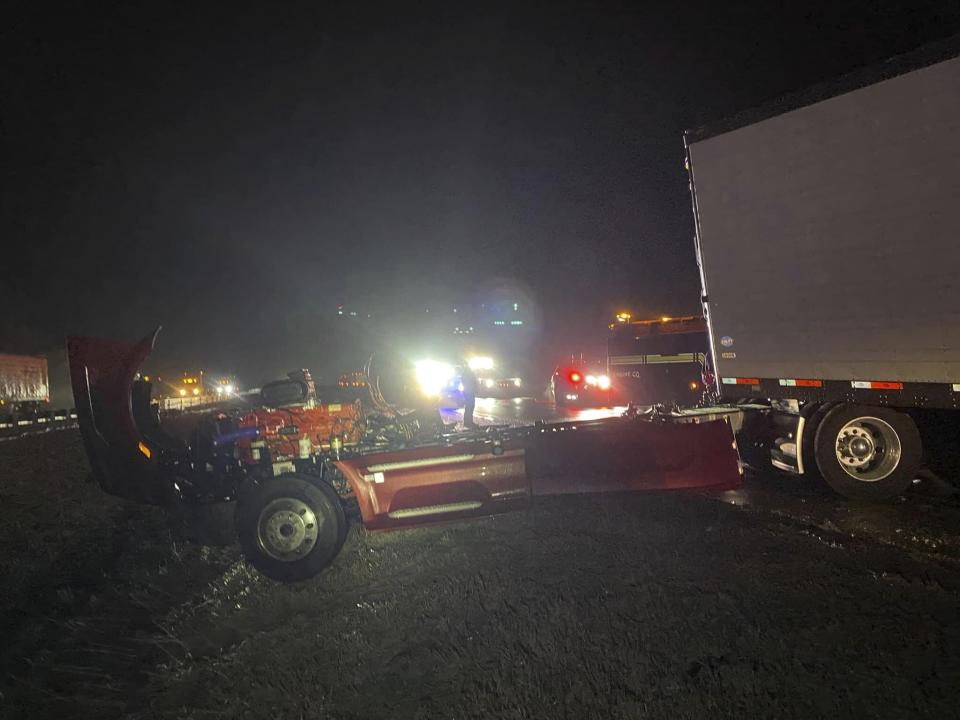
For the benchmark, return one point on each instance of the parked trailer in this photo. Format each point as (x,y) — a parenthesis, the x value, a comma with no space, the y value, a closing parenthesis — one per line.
(24,385)
(827,238)
(296,468)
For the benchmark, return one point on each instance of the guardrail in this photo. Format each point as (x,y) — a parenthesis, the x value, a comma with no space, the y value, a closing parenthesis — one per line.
(13,427)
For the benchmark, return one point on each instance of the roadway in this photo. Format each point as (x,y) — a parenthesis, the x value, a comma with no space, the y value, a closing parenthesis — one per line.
(523,411)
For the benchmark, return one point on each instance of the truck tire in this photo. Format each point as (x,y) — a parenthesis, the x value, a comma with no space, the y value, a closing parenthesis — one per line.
(868,453)
(813,419)
(291,527)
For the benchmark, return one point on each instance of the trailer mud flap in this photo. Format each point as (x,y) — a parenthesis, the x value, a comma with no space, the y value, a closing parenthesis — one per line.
(123,462)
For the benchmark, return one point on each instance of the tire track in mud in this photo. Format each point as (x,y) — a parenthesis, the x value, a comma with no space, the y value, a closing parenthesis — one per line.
(919,529)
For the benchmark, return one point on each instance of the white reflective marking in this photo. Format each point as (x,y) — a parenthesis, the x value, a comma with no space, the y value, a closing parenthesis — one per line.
(509,493)
(434,510)
(800,426)
(383,467)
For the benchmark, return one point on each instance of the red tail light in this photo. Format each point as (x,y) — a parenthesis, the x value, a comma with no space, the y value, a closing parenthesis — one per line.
(575,377)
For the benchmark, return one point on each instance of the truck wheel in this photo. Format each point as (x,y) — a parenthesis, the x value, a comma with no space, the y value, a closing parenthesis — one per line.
(868,453)
(808,449)
(291,528)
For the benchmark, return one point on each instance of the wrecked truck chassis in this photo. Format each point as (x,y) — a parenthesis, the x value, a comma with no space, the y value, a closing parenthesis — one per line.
(292,523)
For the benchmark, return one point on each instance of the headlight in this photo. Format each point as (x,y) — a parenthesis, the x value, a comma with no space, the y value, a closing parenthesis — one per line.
(480,362)
(603,382)
(591,379)
(488,383)
(516,382)
(433,376)
(228,389)
(182,392)
(196,391)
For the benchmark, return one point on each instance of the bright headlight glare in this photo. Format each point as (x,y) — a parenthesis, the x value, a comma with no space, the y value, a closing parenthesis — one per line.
(488,382)
(480,362)
(433,376)
(228,389)
(603,382)
(591,379)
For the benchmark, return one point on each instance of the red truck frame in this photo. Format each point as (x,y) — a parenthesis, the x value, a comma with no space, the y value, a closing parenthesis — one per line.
(293,522)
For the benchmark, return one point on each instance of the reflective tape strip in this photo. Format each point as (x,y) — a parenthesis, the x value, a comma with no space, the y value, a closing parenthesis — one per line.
(793,382)
(656,359)
(626,360)
(741,381)
(426,462)
(956,387)
(875,385)
(679,358)
(434,510)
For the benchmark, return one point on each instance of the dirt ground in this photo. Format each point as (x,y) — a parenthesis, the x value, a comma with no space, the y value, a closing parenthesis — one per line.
(778,600)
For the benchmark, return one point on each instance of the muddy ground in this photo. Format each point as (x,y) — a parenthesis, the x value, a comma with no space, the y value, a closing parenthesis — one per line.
(777,600)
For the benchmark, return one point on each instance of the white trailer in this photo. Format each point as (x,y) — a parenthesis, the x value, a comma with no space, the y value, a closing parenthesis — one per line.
(828,238)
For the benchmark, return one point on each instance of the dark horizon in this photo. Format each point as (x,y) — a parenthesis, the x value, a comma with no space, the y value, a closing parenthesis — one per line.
(234,177)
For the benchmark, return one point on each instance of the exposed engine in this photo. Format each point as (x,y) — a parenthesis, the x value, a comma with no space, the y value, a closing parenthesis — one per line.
(298,431)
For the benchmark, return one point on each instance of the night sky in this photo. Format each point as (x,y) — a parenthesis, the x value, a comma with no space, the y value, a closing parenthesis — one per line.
(233,174)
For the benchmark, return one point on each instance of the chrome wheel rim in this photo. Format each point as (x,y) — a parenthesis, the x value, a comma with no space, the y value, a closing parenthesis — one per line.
(868,449)
(287,529)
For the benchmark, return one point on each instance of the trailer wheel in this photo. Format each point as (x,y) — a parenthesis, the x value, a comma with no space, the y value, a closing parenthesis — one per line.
(868,453)
(813,418)
(291,528)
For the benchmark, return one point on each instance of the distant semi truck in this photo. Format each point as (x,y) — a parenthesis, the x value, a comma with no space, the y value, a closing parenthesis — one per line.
(662,361)
(24,384)
(828,240)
